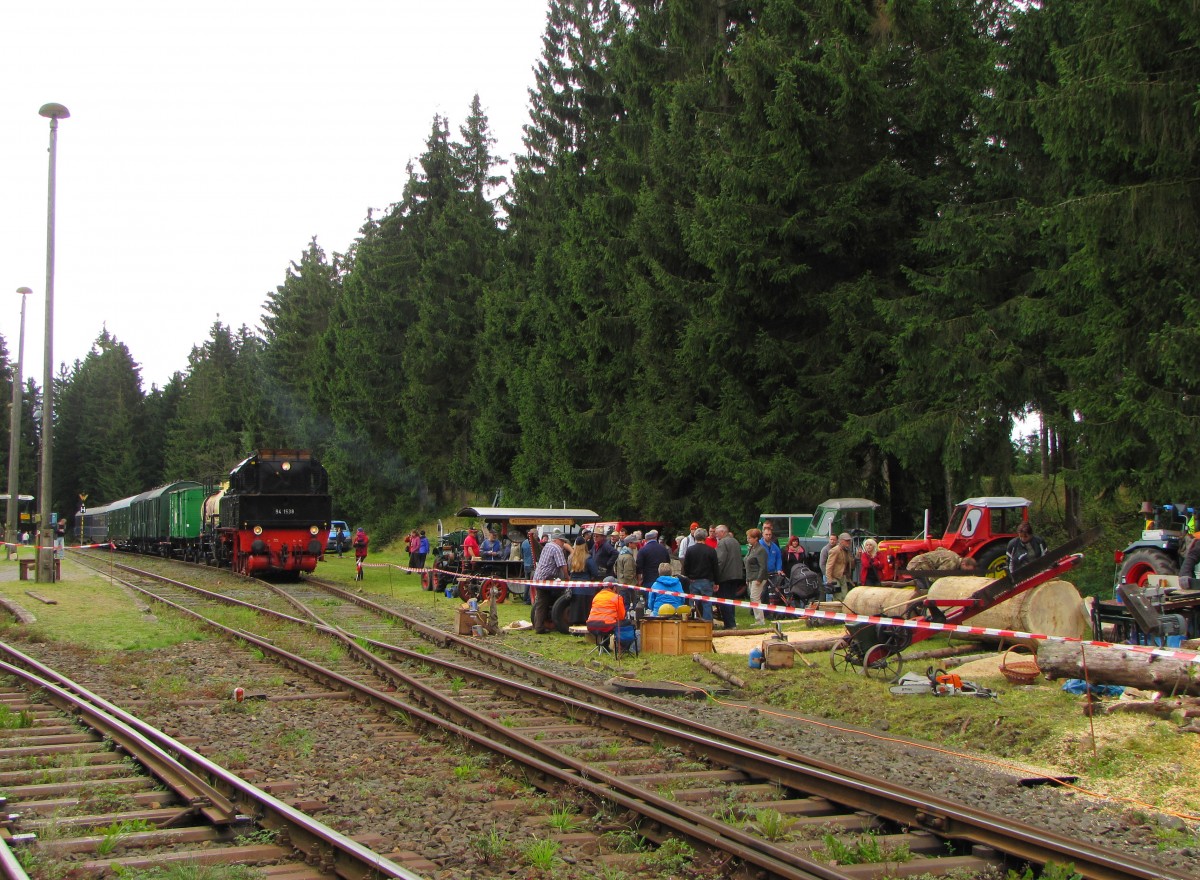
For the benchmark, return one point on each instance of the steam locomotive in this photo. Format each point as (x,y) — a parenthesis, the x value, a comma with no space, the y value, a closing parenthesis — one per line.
(270,516)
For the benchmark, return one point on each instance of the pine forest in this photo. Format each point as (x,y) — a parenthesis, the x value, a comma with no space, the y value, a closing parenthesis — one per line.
(753,254)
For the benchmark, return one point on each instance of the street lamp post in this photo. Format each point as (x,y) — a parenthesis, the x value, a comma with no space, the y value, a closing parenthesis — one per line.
(45,550)
(12,515)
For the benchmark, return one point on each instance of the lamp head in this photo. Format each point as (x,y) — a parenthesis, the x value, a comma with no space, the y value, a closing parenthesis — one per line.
(24,291)
(54,111)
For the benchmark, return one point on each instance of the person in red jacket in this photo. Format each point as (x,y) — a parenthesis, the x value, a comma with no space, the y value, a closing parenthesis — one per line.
(359,544)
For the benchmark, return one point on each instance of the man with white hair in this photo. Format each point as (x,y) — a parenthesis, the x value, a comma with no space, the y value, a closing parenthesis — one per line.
(730,574)
(700,567)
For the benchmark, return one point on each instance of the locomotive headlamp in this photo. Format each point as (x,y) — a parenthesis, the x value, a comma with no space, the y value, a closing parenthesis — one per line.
(287,465)
(258,530)
(312,530)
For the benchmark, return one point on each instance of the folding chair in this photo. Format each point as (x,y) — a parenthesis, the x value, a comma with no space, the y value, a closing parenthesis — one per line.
(601,634)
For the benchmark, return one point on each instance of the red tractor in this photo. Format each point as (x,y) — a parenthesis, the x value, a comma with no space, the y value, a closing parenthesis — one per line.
(979,528)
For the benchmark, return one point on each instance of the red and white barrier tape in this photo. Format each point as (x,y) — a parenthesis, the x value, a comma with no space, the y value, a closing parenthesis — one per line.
(815,614)
(39,547)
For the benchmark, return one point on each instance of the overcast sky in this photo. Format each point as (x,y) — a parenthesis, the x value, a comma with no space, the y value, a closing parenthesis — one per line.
(209,142)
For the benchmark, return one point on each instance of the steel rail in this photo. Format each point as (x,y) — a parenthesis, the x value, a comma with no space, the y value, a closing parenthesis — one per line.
(189,786)
(346,857)
(897,803)
(10,867)
(546,762)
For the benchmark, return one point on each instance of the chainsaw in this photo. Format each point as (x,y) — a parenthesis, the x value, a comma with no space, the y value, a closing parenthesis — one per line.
(939,683)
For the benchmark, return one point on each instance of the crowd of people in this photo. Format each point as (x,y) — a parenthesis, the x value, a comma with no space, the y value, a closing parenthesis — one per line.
(700,562)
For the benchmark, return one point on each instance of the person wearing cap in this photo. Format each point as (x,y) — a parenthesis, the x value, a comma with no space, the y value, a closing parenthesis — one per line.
(608,615)
(470,547)
(650,555)
(492,547)
(605,552)
(625,567)
(838,567)
(552,565)
(687,541)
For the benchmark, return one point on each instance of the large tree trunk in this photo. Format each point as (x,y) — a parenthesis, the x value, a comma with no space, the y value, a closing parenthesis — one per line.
(1119,665)
(884,601)
(1053,608)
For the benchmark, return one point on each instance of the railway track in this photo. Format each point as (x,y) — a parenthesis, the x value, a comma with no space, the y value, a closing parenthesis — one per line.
(90,791)
(778,813)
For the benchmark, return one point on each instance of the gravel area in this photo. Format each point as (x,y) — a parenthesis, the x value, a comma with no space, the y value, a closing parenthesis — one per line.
(450,807)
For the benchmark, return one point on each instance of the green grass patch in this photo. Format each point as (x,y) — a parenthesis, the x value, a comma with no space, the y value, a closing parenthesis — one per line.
(94,613)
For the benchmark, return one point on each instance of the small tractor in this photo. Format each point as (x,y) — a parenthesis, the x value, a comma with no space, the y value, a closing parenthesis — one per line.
(979,527)
(1161,548)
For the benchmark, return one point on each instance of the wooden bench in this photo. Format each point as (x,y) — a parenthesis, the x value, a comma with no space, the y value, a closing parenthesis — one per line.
(28,565)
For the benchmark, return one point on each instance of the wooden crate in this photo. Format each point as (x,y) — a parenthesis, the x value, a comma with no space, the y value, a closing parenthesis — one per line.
(466,620)
(777,654)
(668,636)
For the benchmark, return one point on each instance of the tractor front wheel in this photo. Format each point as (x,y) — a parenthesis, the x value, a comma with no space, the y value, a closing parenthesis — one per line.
(992,562)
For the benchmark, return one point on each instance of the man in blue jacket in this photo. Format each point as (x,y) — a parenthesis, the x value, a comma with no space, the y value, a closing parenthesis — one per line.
(774,554)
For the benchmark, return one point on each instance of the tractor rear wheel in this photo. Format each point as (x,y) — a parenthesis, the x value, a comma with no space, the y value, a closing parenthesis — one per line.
(560,613)
(1140,564)
(493,586)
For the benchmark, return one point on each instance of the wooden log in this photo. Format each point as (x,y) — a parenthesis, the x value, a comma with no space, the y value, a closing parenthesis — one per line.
(938,653)
(719,671)
(814,646)
(883,601)
(721,633)
(1161,708)
(17,611)
(1054,608)
(954,662)
(1115,664)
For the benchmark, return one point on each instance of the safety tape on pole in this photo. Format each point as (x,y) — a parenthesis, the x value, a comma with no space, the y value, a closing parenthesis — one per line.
(842,617)
(40,547)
